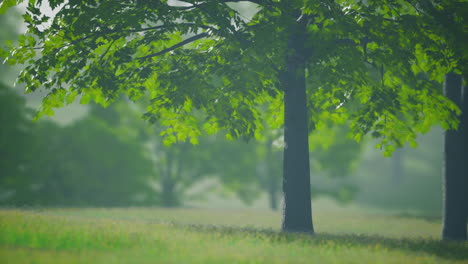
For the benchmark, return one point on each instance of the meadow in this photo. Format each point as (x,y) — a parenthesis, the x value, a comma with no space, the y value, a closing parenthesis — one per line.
(157,235)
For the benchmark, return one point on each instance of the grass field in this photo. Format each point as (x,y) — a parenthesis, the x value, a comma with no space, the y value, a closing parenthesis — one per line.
(153,235)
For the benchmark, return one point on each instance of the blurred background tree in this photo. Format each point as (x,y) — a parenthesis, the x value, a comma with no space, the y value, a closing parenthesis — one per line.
(412,184)
(15,119)
(85,163)
(15,140)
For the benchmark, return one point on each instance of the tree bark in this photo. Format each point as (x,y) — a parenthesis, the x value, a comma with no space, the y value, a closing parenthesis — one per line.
(455,165)
(297,212)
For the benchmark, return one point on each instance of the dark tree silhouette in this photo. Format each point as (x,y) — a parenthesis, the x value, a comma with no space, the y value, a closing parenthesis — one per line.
(456,165)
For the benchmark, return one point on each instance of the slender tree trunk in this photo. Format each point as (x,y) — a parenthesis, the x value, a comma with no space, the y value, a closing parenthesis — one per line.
(167,191)
(168,195)
(168,198)
(270,175)
(273,199)
(397,167)
(455,165)
(297,212)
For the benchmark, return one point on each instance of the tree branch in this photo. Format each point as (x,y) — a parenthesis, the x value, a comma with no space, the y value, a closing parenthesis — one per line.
(346,42)
(162,26)
(107,50)
(111,31)
(178,45)
(258,2)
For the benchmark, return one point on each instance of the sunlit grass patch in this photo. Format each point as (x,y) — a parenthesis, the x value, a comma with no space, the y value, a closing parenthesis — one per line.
(114,236)
(36,230)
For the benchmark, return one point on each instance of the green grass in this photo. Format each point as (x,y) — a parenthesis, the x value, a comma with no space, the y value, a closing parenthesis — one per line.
(152,235)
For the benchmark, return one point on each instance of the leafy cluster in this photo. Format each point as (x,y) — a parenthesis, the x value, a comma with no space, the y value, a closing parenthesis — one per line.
(374,63)
(378,64)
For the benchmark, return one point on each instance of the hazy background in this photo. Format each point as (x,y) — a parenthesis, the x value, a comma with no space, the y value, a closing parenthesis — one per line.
(86,156)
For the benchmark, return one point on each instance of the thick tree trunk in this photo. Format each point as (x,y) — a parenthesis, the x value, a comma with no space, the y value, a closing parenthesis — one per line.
(455,166)
(297,213)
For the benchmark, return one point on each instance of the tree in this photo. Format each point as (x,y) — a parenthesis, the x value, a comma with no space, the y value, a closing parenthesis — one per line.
(334,155)
(447,21)
(15,141)
(205,56)
(179,166)
(456,165)
(85,163)
(397,167)
(102,167)
(376,181)
(15,132)
(8,35)
(269,170)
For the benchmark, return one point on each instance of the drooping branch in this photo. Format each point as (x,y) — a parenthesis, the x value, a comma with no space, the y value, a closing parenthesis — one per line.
(194,5)
(163,26)
(112,31)
(178,45)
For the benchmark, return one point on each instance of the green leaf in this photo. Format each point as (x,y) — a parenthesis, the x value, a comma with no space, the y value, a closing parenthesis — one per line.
(6,4)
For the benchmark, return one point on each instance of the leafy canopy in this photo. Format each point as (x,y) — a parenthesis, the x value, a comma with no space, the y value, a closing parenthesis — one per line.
(378,64)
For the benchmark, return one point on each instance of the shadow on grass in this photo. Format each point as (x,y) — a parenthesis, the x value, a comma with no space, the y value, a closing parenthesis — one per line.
(443,249)
(424,217)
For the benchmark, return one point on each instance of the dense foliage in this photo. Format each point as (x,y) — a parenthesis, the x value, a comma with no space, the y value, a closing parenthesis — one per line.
(364,61)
